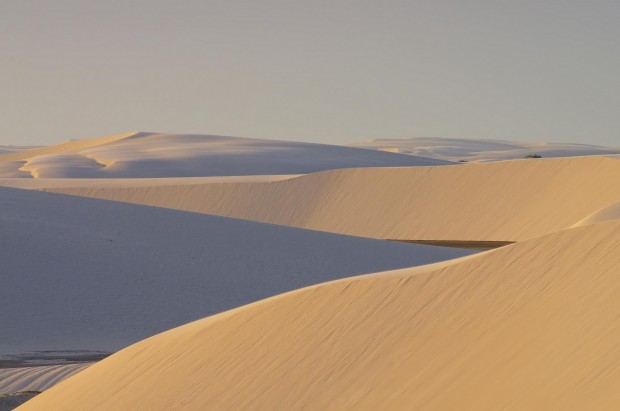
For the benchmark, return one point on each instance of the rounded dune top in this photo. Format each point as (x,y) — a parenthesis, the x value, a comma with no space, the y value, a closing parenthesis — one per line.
(148,155)
(489,332)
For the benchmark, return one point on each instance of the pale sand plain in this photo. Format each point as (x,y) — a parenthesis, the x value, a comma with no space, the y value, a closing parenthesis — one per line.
(528,326)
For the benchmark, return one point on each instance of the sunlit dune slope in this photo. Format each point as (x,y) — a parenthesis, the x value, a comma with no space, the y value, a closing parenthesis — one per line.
(528,326)
(151,155)
(504,201)
(87,274)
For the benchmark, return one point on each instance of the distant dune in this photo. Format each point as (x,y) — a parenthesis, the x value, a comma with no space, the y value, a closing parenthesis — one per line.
(36,378)
(528,326)
(502,201)
(144,154)
(84,274)
(461,149)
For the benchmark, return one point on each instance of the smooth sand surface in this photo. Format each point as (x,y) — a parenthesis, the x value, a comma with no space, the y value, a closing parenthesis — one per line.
(60,183)
(609,213)
(87,274)
(474,150)
(150,155)
(532,325)
(501,201)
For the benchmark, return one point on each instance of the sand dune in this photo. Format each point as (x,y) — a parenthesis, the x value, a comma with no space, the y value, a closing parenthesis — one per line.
(144,154)
(88,274)
(68,147)
(453,149)
(14,380)
(502,201)
(528,326)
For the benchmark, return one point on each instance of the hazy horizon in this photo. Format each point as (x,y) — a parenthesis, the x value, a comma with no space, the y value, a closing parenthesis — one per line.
(326,72)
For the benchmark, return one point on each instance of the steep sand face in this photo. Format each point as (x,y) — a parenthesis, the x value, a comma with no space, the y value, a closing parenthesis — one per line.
(504,201)
(528,326)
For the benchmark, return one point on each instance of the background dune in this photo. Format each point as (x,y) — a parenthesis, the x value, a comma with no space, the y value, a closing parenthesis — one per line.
(503,201)
(528,326)
(455,149)
(144,154)
(88,274)
(36,378)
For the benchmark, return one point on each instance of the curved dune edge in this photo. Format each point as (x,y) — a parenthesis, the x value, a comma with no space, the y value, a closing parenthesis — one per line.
(606,214)
(504,201)
(528,326)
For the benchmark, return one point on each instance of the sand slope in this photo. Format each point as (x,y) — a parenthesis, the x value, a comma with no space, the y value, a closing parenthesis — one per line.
(454,149)
(88,274)
(503,201)
(144,154)
(529,326)
(14,380)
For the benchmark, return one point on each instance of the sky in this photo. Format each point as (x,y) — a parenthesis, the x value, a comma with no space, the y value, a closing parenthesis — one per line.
(323,71)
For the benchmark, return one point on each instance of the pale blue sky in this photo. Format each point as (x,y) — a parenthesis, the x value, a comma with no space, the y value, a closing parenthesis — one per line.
(324,71)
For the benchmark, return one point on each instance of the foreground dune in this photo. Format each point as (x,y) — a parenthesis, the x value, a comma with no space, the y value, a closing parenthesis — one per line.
(528,326)
(151,155)
(503,201)
(84,274)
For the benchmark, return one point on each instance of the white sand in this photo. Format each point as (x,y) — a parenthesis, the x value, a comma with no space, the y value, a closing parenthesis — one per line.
(528,326)
(473,150)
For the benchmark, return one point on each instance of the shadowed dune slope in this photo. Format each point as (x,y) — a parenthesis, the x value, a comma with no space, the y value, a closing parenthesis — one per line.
(87,274)
(504,201)
(528,326)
